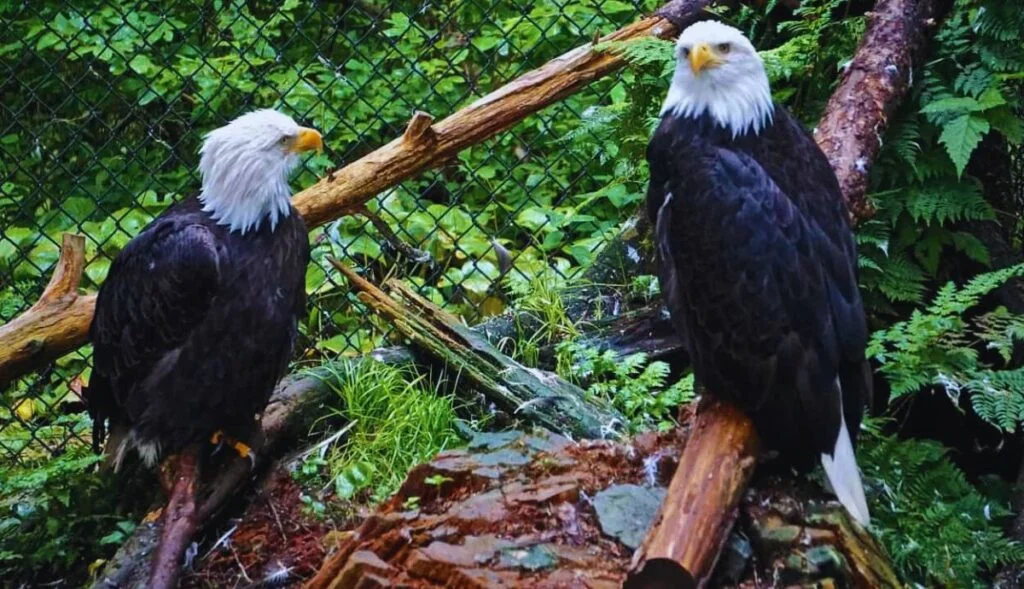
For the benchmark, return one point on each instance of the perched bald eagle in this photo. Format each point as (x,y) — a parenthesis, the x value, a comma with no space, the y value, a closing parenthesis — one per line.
(195,322)
(757,260)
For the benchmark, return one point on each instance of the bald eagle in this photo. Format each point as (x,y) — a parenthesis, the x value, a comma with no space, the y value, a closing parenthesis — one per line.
(195,322)
(757,261)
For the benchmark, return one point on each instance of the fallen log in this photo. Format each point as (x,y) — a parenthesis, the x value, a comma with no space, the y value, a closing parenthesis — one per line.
(541,397)
(37,336)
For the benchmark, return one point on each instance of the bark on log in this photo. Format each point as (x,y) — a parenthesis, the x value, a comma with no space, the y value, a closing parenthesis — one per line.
(41,337)
(701,505)
(871,89)
(543,398)
(56,324)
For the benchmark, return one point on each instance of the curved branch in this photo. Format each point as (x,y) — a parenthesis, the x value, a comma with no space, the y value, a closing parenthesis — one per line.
(56,324)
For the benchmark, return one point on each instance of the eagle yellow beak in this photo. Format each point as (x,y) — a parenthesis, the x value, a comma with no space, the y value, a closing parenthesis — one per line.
(307,140)
(702,58)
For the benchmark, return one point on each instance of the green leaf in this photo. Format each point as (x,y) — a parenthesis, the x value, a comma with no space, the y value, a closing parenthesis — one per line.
(961,136)
(955,104)
(1004,120)
(141,64)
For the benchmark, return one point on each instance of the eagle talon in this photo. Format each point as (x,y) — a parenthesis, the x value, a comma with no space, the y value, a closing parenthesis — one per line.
(220,439)
(245,452)
(217,439)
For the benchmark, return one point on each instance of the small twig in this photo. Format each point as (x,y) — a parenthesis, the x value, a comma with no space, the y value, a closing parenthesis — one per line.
(224,540)
(416,255)
(238,561)
(323,444)
(277,517)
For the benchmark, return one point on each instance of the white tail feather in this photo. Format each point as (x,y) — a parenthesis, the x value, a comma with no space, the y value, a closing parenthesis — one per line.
(844,476)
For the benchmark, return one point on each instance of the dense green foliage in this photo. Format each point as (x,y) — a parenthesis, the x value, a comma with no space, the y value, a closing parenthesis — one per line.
(103,111)
(937,527)
(397,420)
(58,516)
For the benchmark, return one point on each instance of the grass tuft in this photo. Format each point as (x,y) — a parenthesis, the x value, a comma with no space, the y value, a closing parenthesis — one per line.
(398,421)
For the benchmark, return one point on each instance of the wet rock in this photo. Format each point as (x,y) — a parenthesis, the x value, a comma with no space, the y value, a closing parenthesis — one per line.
(626,511)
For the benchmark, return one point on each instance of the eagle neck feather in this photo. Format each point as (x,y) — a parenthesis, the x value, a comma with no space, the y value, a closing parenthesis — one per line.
(243,188)
(743,105)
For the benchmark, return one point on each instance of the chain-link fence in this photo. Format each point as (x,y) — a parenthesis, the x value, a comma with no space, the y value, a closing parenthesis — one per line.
(104,104)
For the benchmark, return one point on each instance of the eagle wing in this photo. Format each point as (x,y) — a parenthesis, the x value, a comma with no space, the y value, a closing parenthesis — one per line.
(764,292)
(158,290)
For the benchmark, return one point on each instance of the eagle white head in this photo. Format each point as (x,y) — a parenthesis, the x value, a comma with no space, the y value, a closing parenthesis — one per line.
(718,71)
(245,167)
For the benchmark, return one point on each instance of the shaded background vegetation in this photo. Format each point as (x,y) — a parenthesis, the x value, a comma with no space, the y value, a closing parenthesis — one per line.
(102,110)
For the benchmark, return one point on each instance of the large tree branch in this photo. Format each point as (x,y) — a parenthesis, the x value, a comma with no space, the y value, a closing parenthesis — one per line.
(42,334)
(871,89)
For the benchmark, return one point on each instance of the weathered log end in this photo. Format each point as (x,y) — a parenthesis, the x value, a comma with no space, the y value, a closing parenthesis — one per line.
(701,505)
(58,321)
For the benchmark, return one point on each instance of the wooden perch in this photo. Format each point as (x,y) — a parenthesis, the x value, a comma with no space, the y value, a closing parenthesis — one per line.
(56,324)
(701,505)
(872,88)
(179,518)
(41,337)
(541,397)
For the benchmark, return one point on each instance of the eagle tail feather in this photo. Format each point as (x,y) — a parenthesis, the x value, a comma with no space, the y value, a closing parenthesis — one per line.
(844,476)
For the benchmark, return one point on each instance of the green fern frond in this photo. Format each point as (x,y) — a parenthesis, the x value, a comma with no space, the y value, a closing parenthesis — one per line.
(901,280)
(943,203)
(643,52)
(926,512)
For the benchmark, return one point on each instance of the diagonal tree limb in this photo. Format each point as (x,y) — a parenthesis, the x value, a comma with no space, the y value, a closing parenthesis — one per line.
(871,89)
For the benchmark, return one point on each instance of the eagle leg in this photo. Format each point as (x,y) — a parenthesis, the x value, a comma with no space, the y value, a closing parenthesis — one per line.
(219,439)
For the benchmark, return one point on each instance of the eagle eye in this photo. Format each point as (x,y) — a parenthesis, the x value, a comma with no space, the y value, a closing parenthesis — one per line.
(284,140)
(686,52)
(724,48)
